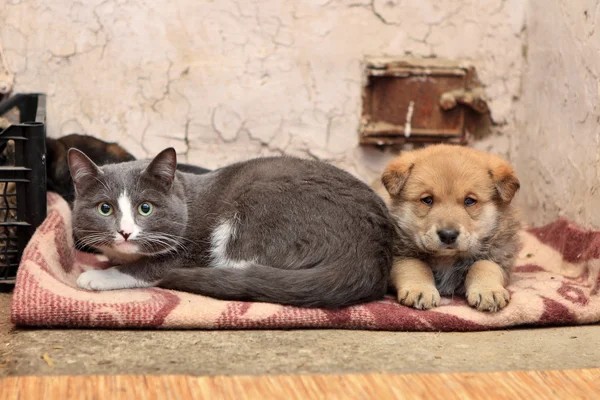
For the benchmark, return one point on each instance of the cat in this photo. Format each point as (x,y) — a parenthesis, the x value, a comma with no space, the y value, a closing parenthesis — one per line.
(58,178)
(280,230)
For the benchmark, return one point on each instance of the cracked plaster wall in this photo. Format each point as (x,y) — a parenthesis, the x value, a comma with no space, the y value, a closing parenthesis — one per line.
(226,80)
(559,147)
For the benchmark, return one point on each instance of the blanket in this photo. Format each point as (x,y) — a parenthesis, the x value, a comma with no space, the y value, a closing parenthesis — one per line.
(555,282)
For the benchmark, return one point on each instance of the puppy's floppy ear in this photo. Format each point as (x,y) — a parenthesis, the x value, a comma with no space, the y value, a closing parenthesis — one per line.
(82,169)
(162,168)
(506,182)
(395,175)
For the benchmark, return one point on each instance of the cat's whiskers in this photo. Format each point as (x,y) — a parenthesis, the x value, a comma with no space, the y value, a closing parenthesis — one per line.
(173,236)
(152,243)
(91,243)
(88,238)
(167,242)
(180,245)
(157,241)
(170,242)
(170,236)
(151,246)
(93,239)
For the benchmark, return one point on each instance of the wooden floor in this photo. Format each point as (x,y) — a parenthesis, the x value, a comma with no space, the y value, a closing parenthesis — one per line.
(573,384)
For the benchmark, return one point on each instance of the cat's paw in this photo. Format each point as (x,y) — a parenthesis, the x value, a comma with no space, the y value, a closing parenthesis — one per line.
(485,298)
(422,297)
(108,279)
(95,280)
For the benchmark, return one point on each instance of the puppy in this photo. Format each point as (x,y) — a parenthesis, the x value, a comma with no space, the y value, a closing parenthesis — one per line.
(456,227)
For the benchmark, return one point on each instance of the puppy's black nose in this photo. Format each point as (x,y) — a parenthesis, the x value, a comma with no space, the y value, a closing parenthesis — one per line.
(448,236)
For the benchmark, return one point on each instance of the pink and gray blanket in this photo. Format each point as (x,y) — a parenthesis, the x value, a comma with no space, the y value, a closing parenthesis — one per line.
(555,282)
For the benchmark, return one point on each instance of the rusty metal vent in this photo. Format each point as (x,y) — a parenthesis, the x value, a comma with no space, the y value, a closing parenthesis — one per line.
(419,101)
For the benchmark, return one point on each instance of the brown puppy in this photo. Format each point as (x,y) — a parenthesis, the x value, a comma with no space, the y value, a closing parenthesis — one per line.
(456,228)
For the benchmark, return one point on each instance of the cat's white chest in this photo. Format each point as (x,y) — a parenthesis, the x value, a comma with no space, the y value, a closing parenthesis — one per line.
(219,239)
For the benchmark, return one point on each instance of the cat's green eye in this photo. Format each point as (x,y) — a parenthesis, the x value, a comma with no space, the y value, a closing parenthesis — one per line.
(145,208)
(105,209)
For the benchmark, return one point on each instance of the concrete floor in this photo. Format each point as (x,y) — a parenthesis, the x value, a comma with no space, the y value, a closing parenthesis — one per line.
(283,352)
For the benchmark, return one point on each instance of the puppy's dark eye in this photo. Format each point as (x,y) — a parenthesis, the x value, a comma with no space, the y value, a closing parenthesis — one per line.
(469,201)
(428,201)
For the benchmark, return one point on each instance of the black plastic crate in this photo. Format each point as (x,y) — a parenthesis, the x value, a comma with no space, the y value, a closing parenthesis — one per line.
(22,179)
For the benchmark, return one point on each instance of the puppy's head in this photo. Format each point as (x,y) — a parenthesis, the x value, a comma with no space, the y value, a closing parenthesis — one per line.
(449,199)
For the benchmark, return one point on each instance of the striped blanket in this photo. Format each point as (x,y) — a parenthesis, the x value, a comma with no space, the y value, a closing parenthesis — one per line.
(555,282)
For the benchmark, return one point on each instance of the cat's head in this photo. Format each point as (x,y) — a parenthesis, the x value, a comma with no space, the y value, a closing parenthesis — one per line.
(132,208)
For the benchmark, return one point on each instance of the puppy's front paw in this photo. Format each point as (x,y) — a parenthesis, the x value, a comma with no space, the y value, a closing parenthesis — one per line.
(488,298)
(422,297)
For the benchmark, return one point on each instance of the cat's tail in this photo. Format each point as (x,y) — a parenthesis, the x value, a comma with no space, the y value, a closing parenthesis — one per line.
(328,287)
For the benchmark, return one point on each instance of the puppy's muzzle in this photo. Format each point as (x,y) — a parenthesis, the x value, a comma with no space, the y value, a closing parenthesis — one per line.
(448,236)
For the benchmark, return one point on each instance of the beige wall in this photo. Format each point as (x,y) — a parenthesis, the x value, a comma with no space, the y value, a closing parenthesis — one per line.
(558,155)
(226,80)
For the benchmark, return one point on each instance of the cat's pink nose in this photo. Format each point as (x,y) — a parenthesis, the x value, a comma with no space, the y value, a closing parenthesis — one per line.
(124,234)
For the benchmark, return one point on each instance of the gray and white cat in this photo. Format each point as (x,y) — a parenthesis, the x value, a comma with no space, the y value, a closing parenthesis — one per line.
(280,230)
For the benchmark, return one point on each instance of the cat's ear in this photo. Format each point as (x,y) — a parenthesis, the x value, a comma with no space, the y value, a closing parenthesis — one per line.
(163,167)
(82,169)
